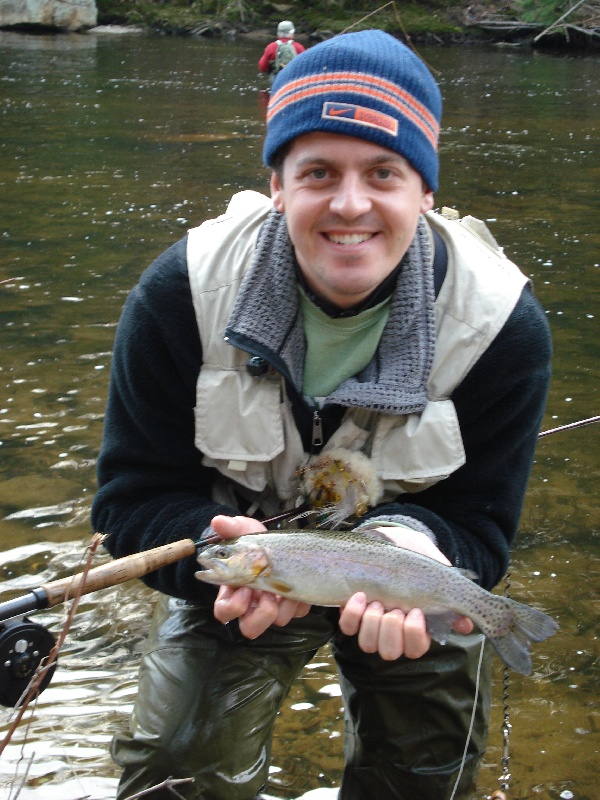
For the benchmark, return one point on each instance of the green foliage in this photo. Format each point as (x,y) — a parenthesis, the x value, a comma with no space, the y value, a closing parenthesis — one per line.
(174,15)
(543,11)
(309,15)
(414,18)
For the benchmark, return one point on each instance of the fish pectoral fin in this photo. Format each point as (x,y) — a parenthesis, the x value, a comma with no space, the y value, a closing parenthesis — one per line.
(279,587)
(440,625)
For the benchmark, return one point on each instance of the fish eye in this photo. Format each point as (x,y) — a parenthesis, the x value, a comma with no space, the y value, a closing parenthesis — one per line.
(222,552)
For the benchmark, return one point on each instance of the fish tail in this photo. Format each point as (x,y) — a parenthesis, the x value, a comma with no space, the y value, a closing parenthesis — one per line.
(528,625)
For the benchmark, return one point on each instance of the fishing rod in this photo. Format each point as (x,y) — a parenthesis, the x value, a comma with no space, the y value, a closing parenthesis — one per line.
(570,426)
(113,573)
(25,644)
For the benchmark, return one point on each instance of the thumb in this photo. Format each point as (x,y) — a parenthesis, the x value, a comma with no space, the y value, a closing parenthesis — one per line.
(232,527)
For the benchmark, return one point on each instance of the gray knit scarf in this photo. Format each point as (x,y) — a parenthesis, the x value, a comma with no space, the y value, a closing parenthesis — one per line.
(267,312)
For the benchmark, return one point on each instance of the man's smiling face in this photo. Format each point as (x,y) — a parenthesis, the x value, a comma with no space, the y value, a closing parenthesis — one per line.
(352,209)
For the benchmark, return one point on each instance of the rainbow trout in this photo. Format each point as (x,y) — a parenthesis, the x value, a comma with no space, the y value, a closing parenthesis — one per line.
(326,568)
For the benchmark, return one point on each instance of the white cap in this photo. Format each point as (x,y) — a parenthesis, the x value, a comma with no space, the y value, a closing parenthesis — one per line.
(285,29)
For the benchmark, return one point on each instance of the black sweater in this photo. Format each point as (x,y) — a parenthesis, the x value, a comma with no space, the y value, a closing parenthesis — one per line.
(153,488)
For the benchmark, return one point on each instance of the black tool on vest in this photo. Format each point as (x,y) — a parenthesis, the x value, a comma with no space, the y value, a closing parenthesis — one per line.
(256,366)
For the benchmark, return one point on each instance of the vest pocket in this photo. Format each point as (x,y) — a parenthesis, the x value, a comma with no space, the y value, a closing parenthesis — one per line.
(238,418)
(419,449)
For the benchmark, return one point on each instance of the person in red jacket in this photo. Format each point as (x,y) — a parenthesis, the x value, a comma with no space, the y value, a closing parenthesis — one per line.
(280,52)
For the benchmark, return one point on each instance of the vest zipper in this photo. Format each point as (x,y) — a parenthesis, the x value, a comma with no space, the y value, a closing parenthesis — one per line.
(317,430)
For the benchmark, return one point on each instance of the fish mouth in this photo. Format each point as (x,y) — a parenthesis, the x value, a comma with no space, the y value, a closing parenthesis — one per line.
(208,575)
(223,564)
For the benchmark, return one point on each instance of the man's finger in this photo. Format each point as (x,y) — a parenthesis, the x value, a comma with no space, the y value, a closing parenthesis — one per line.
(351,614)
(260,615)
(232,603)
(463,625)
(290,609)
(417,640)
(368,635)
(391,635)
(232,527)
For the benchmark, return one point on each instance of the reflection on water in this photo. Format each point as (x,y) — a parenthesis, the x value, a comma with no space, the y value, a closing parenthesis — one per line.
(110,150)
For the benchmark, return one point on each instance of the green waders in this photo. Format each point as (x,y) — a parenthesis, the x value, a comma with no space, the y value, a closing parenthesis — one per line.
(208,698)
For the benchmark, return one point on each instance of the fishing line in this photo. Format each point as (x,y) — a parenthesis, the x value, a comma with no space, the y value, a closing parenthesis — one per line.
(472,723)
(570,426)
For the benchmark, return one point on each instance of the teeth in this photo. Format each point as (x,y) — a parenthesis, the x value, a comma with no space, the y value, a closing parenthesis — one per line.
(349,238)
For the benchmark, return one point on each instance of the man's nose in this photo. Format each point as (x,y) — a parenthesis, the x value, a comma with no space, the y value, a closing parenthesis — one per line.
(351,197)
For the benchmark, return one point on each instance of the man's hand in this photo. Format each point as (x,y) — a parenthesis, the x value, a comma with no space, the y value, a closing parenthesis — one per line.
(255,610)
(394,633)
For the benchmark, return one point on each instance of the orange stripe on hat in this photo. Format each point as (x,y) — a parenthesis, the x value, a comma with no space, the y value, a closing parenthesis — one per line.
(357,83)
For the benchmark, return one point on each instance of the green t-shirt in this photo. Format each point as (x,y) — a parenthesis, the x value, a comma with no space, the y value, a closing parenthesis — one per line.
(337,348)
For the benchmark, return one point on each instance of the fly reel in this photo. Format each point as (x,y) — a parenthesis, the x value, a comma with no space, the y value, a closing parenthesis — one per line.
(23,646)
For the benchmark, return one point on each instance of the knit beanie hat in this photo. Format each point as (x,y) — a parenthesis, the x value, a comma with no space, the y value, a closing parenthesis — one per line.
(367,85)
(285,29)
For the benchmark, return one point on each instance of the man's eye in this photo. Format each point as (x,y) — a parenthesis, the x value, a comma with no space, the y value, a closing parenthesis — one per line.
(319,173)
(383,173)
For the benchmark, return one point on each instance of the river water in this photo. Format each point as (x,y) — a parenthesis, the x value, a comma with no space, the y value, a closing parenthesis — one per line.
(110,148)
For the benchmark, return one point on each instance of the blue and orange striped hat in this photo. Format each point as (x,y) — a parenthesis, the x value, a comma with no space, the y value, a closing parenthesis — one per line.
(367,85)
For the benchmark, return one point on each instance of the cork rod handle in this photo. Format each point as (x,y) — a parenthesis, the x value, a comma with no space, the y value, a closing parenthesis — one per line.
(118,571)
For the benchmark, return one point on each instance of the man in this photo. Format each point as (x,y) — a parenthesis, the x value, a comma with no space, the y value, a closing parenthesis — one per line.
(279,53)
(340,316)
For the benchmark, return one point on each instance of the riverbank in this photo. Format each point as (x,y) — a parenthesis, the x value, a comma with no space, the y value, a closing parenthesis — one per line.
(430,22)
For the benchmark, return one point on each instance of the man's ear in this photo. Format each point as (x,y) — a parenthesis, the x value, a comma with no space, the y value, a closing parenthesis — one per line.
(276,193)
(427,201)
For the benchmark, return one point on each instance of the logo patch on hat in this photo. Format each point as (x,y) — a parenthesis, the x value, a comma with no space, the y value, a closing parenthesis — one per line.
(359,115)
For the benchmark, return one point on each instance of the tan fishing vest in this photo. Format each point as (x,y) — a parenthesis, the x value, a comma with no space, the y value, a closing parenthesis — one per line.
(244,424)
